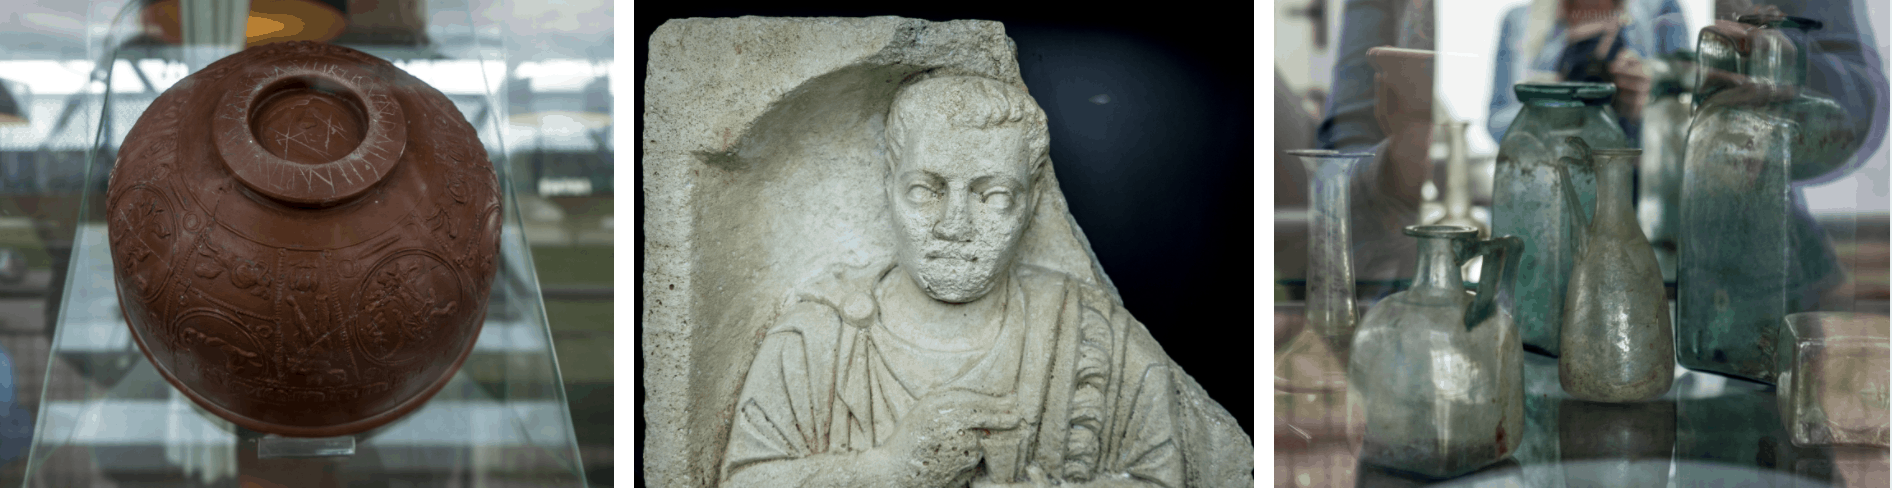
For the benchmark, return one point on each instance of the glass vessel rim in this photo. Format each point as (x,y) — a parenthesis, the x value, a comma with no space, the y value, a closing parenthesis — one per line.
(1330,153)
(1616,152)
(1781,22)
(1564,91)
(1440,231)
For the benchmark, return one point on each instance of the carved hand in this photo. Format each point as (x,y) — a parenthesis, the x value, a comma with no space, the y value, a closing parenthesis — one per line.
(937,442)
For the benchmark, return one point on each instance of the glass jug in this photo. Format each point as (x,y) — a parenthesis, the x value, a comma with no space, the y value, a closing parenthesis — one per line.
(1438,371)
(1526,195)
(1617,343)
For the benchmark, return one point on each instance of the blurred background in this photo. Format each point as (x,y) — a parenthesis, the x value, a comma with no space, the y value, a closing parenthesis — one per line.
(553,88)
(1308,34)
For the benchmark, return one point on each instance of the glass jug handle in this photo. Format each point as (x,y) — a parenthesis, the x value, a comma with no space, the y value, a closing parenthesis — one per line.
(1579,227)
(1501,259)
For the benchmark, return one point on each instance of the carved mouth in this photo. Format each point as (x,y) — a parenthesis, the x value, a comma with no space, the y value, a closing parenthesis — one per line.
(952,256)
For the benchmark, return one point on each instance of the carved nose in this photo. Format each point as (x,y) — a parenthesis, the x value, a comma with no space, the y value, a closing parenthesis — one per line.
(956,225)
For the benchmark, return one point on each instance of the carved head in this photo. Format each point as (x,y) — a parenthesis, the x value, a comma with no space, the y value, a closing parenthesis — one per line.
(964,154)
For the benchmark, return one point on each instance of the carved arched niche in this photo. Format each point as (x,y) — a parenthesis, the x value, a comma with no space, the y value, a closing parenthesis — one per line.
(763,165)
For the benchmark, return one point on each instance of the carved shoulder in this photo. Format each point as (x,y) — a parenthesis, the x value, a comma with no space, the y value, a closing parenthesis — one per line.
(845,290)
(806,318)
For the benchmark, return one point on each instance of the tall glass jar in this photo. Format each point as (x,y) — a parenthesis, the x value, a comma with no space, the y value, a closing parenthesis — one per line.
(1740,256)
(1330,295)
(1438,371)
(1527,195)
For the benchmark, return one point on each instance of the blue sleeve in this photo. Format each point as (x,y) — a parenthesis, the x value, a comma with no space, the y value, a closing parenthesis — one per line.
(1671,29)
(1844,64)
(1504,101)
(1349,122)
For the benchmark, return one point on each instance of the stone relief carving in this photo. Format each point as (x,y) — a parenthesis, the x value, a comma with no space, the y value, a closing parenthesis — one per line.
(863,273)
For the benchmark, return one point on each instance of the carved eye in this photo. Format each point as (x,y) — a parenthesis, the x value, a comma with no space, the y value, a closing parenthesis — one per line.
(921,193)
(999,198)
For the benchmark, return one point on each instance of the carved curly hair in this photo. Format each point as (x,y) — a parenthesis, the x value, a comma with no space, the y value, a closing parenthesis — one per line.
(968,102)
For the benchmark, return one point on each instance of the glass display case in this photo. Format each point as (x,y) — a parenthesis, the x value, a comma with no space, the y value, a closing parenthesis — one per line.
(1710,428)
(106,418)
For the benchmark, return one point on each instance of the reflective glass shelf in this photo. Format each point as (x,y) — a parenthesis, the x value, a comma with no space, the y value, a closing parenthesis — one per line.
(1707,431)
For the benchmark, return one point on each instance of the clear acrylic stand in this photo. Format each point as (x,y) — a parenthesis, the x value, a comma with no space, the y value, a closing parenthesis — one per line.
(271,446)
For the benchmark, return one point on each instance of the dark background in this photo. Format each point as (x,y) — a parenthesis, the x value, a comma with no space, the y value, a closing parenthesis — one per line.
(1160,178)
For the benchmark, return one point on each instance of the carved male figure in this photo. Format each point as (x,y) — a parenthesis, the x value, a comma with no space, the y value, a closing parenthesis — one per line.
(956,364)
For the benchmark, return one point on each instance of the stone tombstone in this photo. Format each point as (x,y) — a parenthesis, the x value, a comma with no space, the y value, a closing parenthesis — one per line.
(859,270)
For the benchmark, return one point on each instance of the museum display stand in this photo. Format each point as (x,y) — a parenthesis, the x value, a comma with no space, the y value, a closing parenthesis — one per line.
(107,417)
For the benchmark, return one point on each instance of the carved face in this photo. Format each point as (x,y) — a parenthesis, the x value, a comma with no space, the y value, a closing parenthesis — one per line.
(961,199)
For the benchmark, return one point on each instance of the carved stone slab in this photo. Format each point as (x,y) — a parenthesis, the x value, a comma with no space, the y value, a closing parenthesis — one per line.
(765,172)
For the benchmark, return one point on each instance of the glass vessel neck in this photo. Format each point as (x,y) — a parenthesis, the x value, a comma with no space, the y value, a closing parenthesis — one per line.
(1613,168)
(1438,265)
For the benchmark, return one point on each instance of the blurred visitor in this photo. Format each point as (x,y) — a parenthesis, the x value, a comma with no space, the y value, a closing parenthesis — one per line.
(1600,41)
(1384,108)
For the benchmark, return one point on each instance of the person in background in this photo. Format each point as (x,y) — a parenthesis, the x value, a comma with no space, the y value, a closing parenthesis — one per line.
(1584,40)
(1390,116)
(1349,123)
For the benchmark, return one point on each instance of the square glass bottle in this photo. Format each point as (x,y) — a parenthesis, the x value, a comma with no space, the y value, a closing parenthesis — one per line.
(1833,379)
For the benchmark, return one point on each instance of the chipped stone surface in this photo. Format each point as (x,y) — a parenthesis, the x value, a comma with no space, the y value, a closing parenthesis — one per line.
(774,254)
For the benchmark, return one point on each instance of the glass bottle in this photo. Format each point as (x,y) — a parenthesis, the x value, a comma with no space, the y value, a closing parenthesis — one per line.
(1617,343)
(1833,381)
(1330,295)
(1458,192)
(1438,371)
(1735,268)
(1526,196)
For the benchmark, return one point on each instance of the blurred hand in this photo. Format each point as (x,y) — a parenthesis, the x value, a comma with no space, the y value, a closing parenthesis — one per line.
(1403,103)
(1405,113)
(1632,84)
(1588,27)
